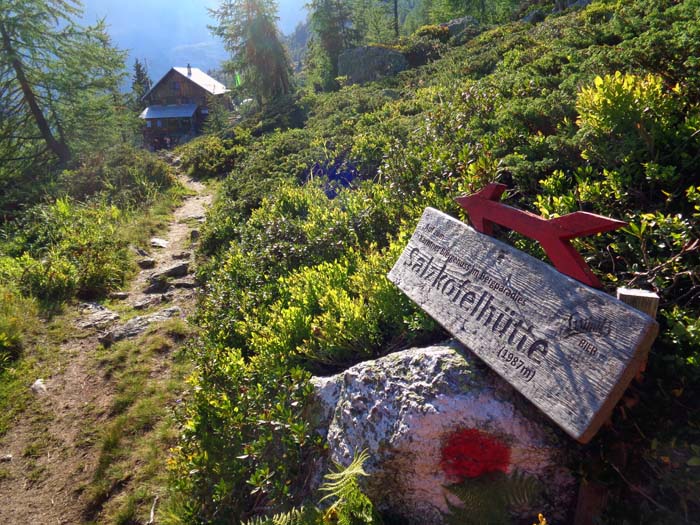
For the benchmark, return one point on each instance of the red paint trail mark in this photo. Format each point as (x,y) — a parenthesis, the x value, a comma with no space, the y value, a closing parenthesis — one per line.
(470,453)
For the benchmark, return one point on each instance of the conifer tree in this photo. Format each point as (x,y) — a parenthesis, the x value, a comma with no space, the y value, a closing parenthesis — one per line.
(140,84)
(249,31)
(333,32)
(58,80)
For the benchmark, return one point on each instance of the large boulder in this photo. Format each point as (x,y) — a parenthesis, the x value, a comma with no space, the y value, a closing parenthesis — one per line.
(458,25)
(534,17)
(365,64)
(436,422)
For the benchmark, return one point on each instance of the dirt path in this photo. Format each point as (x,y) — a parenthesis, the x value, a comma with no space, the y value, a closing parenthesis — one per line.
(50,455)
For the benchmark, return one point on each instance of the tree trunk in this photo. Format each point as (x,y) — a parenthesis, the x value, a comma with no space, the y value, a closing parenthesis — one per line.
(396,19)
(57,147)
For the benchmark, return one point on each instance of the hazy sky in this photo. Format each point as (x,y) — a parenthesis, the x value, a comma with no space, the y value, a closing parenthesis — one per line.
(166,33)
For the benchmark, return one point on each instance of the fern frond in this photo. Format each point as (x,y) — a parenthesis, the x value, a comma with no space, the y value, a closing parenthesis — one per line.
(297,516)
(338,484)
(486,499)
(351,505)
(482,502)
(521,490)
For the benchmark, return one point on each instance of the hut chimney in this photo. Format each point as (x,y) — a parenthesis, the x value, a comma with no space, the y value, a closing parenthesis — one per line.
(189,70)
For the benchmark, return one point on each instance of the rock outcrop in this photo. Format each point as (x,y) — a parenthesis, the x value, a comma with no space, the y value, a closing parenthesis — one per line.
(534,17)
(95,315)
(365,64)
(434,417)
(458,25)
(137,325)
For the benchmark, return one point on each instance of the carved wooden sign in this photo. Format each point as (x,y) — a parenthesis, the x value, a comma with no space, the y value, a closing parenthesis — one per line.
(570,349)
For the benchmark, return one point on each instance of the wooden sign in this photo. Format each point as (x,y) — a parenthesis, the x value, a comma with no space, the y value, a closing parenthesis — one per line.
(570,349)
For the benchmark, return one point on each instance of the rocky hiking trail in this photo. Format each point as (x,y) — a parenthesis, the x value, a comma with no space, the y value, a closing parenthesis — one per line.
(57,450)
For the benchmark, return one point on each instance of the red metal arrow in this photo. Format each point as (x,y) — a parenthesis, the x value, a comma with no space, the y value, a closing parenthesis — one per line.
(485,210)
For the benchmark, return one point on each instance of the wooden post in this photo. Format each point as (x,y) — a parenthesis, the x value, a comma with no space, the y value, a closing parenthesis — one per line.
(642,300)
(592,496)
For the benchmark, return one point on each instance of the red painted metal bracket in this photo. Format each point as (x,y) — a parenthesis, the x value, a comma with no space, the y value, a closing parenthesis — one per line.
(485,210)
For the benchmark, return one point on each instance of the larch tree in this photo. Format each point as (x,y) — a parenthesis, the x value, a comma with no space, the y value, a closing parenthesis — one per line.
(58,80)
(249,31)
(333,31)
(140,84)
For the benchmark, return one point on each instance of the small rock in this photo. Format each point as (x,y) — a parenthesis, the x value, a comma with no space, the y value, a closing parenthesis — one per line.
(119,296)
(152,300)
(181,255)
(140,252)
(194,235)
(90,307)
(38,387)
(179,269)
(159,286)
(148,302)
(146,263)
(137,325)
(157,242)
(97,316)
(6,458)
(187,283)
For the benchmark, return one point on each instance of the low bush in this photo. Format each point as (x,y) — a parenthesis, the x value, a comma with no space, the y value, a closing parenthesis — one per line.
(123,176)
(212,156)
(250,405)
(16,314)
(69,248)
(433,32)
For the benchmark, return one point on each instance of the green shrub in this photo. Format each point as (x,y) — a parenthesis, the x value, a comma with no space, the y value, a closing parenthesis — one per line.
(212,156)
(16,315)
(51,279)
(434,32)
(249,404)
(337,313)
(627,121)
(69,248)
(297,285)
(122,175)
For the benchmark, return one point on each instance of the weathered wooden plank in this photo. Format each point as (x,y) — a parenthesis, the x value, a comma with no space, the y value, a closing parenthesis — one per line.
(570,349)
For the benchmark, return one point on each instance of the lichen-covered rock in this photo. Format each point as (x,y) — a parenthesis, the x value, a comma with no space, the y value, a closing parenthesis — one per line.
(433,417)
(456,26)
(365,64)
(96,316)
(137,325)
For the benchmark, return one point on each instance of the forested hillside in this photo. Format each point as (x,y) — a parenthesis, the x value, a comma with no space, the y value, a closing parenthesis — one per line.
(320,183)
(592,109)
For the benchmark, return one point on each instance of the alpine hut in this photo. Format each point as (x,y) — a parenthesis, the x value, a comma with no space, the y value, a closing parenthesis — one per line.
(178,105)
